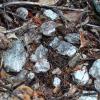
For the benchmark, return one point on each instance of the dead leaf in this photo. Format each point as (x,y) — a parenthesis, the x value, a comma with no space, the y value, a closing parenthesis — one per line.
(3,74)
(25,90)
(72,16)
(84,42)
(72,90)
(26,97)
(4,42)
(56,89)
(37,21)
(38,95)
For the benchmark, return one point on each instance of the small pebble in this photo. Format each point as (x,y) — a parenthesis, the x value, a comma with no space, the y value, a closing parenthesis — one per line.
(40,53)
(56,82)
(55,43)
(48,28)
(95,69)
(66,48)
(81,76)
(30,75)
(22,12)
(42,66)
(49,13)
(36,86)
(97,84)
(72,37)
(56,71)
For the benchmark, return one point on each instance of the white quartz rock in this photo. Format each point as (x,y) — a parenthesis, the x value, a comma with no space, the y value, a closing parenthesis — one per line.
(88,97)
(66,48)
(81,76)
(56,82)
(55,42)
(15,57)
(49,13)
(48,28)
(40,53)
(72,37)
(95,69)
(97,84)
(33,58)
(22,12)
(30,75)
(42,66)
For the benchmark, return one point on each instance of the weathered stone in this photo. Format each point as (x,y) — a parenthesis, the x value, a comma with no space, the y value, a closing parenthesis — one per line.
(42,66)
(22,12)
(66,48)
(95,69)
(97,84)
(15,57)
(48,28)
(49,13)
(55,42)
(72,37)
(39,53)
(81,76)
(56,82)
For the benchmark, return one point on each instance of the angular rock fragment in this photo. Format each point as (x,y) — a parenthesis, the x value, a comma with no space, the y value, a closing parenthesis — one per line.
(42,66)
(66,48)
(97,84)
(72,37)
(48,28)
(57,71)
(56,82)
(91,95)
(39,53)
(30,76)
(95,69)
(22,12)
(49,13)
(55,43)
(81,76)
(15,57)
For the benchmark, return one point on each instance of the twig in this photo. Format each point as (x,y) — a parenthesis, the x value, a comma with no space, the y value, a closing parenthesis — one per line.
(23,27)
(41,5)
(94,26)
